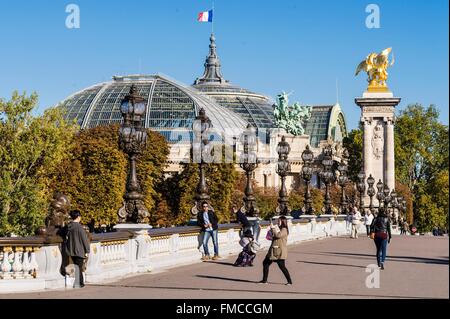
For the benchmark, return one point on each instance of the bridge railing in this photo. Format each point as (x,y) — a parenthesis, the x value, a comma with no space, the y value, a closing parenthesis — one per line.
(35,263)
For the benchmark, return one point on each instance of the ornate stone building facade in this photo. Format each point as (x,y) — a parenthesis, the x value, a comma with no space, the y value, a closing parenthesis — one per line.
(172,107)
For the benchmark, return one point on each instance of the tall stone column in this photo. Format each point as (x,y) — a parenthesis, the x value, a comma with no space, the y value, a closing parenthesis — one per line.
(389,158)
(377,116)
(367,156)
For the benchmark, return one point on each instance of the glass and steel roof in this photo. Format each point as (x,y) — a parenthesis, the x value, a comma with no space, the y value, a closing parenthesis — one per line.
(171,108)
(326,122)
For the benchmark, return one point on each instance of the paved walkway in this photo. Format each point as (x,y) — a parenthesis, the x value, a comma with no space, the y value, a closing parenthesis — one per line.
(417,267)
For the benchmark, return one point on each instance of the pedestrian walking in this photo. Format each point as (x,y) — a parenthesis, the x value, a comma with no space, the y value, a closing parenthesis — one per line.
(356,219)
(368,218)
(405,227)
(209,223)
(381,229)
(278,250)
(76,246)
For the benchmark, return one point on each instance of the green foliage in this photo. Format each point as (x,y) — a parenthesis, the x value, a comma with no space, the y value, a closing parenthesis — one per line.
(421,146)
(405,192)
(266,201)
(31,148)
(220,179)
(94,177)
(353,143)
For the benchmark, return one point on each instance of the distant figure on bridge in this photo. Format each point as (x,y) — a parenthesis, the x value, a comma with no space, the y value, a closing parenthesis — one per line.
(356,219)
(209,223)
(368,219)
(381,227)
(278,250)
(405,228)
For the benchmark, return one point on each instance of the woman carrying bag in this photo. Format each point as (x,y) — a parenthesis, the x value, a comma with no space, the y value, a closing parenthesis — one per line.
(380,232)
(278,250)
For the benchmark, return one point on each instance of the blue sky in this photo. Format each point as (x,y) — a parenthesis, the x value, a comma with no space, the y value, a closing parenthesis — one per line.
(264,46)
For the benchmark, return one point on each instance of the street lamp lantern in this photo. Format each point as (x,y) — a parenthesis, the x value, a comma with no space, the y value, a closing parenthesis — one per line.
(371,191)
(342,180)
(386,192)
(380,194)
(132,140)
(249,163)
(283,169)
(307,172)
(200,148)
(361,189)
(327,175)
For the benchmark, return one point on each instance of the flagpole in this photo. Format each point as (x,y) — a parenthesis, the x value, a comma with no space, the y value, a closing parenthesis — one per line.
(212,24)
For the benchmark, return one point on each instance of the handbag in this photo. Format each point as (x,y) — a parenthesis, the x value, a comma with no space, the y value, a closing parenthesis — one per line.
(381,235)
(269,235)
(275,252)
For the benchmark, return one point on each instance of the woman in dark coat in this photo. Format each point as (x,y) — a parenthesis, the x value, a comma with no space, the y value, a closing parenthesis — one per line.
(381,226)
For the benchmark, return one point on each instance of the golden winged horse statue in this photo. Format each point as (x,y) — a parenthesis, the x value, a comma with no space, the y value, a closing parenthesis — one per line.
(375,65)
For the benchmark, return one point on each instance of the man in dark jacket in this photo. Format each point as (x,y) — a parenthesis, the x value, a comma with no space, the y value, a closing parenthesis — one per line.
(77,245)
(208,221)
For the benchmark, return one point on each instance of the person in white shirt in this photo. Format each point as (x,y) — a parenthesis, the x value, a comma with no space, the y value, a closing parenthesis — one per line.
(356,218)
(368,218)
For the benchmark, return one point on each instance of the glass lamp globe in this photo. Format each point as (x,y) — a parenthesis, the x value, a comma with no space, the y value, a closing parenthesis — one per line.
(124,106)
(139,108)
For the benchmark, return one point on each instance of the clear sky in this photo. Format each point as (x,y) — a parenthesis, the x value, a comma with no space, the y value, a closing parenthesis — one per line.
(264,46)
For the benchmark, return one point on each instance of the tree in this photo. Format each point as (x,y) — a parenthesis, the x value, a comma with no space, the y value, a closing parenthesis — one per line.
(421,146)
(220,179)
(354,143)
(31,148)
(94,177)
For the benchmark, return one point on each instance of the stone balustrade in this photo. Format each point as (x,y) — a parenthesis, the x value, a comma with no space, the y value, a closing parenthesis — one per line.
(30,264)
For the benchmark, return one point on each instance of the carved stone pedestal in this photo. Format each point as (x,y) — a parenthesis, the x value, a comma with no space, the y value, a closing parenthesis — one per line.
(377,119)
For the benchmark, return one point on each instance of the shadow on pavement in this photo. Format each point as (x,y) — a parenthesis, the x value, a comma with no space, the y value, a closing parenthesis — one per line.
(330,264)
(424,260)
(225,278)
(222,263)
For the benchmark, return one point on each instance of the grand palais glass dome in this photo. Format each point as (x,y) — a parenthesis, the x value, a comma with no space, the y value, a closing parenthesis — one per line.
(173,106)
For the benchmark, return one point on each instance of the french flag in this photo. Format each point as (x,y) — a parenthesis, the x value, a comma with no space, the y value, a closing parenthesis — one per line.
(206,16)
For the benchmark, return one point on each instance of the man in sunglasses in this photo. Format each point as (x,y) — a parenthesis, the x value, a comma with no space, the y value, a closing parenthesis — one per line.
(208,221)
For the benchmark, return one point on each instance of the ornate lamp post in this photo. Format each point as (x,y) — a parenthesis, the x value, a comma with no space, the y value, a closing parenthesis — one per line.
(393,203)
(371,191)
(399,206)
(307,171)
(342,181)
(283,169)
(132,140)
(361,189)
(380,194)
(404,207)
(386,198)
(201,148)
(249,162)
(327,175)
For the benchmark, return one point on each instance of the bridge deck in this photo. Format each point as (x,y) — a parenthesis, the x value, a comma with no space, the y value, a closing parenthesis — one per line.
(416,267)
